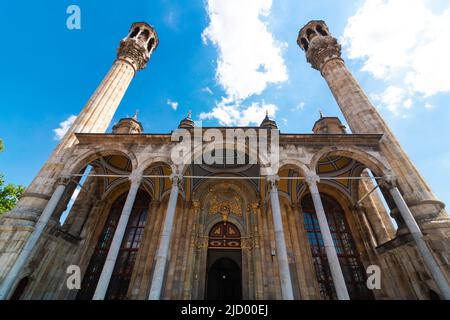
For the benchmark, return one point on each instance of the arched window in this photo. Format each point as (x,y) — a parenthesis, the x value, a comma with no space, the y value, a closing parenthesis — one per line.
(354,274)
(135,32)
(321,31)
(150,44)
(310,34)
(144,35)
(20,289)
(305,44)
(120,279)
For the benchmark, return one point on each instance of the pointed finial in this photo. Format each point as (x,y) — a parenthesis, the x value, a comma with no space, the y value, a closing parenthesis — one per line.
(321,114)
(267,113)
(135,117)
(189,114)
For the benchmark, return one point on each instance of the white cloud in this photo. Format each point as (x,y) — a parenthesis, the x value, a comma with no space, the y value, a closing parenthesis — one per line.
(249,56)
(235,115)
(298,107)
(172,104)
(393,98)
(172,19)
(207,90)
(64,127)
(404,43)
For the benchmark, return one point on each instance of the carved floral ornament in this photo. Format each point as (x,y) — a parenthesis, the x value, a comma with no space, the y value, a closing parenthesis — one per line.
(224,203)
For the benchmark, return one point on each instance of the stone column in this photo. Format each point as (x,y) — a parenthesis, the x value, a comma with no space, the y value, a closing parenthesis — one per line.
(324,54)
(132,55)
(255,222)
(187,292)
(31,242)
(330,250)
(280,242)
(108,267)
(422,247)
(164,244)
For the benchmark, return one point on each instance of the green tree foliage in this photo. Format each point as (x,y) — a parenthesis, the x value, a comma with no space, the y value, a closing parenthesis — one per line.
(9,194)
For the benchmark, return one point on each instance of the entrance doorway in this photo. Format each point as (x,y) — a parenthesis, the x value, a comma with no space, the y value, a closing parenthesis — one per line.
(224,268)
(224,280)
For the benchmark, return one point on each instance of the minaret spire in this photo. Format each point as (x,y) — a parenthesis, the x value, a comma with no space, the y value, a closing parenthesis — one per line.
(323,52)
(136,113)
(416,202)
(132,55)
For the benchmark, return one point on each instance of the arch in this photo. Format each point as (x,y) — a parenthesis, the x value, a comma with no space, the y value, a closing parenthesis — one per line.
(135,32)
(305,44)
(224,280)
(287,188)
(76,165)
(224,235)
(122,185)
(310,34)
(20,288)
(197,153)
(150,44)
(231,219)
(375,165)
(224,262)
(295,164)
(243,188)
(143,36)
(152,162)
(320,30)
(162,185)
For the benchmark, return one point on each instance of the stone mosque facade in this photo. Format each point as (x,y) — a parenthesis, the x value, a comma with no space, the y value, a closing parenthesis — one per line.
(341,204)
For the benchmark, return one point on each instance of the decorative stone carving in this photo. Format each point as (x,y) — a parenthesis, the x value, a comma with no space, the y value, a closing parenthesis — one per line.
(321,50)
(137,47)
(224,203)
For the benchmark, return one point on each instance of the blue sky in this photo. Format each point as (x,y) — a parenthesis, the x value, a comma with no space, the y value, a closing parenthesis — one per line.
(228,62)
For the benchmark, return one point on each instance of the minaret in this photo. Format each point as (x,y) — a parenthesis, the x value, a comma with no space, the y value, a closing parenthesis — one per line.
(132,55)
(323,52)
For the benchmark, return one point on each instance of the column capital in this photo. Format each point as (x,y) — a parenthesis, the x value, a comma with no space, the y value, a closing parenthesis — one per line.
(176,178)
(312,179)
(135,178)
(63,180)
(389,181)
(254,205)
(273,180)
(196,204)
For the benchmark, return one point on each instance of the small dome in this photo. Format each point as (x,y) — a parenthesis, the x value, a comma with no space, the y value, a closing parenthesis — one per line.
(187,122)
(268,123)
(328,125)
(128,126)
